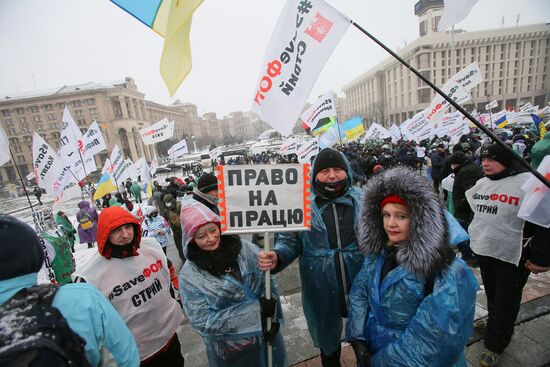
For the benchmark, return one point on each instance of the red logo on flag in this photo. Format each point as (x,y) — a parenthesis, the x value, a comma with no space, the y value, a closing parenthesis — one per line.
(319,28)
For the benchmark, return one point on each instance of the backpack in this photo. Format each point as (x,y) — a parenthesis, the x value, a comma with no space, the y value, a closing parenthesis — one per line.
(34,333)
(85,221)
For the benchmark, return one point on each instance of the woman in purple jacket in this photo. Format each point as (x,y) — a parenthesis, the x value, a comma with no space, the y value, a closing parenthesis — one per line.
(87,223)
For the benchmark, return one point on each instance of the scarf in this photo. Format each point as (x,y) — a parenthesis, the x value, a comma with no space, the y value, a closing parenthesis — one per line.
(331,190)
(219,262)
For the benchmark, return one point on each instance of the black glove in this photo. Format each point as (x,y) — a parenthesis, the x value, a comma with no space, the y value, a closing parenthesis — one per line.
(362,353)
(267,307)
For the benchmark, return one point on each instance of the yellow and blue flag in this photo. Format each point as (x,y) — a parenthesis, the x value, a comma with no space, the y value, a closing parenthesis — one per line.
(353,128)
(104,186)
(538,121)
(172,20)
(501,122)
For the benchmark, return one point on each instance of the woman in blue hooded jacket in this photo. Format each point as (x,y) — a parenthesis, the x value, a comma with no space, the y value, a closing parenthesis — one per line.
(222,293)
(413,302)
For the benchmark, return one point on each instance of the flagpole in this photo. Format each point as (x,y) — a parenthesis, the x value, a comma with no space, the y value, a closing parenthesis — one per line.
(491,134)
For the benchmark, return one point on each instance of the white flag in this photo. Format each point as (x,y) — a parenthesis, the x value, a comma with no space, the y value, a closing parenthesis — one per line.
(154,165)
(157,132)
(457,130)
(322,108)
(469,77)
(93,141)
(376,131)
(395,133)
(215,153)
(145,173)
(330,137)
(536,202)
(417,127)
(307,150)
(289,146)
(115,164)
(454,12)
(454,90)
(179,149)
(302,41)
(526,106)
(491,105)
(47,166)
(4,148)
(130,169)
(544,111)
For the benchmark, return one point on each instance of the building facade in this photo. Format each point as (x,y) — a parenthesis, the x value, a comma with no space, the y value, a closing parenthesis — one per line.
(119,108)
(514,62)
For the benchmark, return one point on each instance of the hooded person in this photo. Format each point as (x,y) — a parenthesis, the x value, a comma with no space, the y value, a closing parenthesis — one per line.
(329,253)
(66,227)
(222,292)
(132,273)
(59,249)
(206,191)
(154,225)
(503,254)
(87,223)
(173,209)
(86,311)
(136,191)
(413,301)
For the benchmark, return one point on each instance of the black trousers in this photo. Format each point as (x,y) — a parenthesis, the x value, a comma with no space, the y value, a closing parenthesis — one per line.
(169,356)
(503,284)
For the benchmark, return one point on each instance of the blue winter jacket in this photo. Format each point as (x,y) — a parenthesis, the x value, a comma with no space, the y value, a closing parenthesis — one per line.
(90,315)
(405,328)
(226,312)
(321,292)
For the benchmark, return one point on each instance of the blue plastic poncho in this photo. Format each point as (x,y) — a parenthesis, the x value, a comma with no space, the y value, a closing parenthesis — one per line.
(402,327)
(224,310)
(321,291)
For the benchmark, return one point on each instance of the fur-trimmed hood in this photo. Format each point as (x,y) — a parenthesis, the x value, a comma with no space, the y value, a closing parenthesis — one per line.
(427,248)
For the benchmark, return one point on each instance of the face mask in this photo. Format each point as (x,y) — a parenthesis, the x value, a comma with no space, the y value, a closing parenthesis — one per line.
(332,189)
(169,205)
(213,199)
(154,215)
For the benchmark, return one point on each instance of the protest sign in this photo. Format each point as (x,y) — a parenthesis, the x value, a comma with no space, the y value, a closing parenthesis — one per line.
(47,166)
(302,41)
(179,149)
(215,153)
(93,141)
(264,198)
(307,150)
(376,131)
(330,137)
(324,107)
(289,146)
(395,133)
(157,132)
(417,127)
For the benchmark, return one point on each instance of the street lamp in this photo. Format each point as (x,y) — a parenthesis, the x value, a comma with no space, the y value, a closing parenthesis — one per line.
(194,139)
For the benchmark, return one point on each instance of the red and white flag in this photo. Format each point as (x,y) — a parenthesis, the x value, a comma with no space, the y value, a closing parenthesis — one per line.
(305,35)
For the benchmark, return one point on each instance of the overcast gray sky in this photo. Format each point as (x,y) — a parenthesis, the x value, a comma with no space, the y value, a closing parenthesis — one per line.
(63,42)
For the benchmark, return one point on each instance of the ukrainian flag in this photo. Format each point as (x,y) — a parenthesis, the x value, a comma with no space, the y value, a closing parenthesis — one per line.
(148,189)
(501,122)
(104,186)
(172,20)
(353,128)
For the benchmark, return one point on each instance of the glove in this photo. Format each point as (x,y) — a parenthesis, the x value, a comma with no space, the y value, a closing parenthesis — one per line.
(362,353)
(267,307)
(270,335)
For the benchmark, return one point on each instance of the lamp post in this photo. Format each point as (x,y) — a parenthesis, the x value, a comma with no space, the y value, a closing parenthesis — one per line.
(194,139)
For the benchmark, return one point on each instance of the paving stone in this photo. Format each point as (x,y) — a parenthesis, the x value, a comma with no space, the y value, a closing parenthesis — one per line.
(538,330)
(526,351)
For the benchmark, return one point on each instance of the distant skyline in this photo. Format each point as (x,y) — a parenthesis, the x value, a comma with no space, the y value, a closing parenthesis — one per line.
(48,44)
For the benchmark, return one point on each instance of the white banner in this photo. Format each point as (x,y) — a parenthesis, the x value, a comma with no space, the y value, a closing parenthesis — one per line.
(491,105)
(71,148)
(544,111)
(443,126)
(454,11)
(154,165)
(302,41)
(417,128)
(70,191)
(307,150)
(395,133)
(139,163)
(469,77)
(264,198)
(289,146)
(536,203)
(453,90)
(179,149)
(130,169)
(93,141)
(457,130)
(526,106)
(330,137)
(376,131)
(157,132)
(47,166)
(322,108)
(4,148)
(215,153)
(145,173)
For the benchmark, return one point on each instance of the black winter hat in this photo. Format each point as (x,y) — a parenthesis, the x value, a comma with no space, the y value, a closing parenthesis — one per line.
(498,153)
(327,158)
(458,158)
(207,182)
(21,251)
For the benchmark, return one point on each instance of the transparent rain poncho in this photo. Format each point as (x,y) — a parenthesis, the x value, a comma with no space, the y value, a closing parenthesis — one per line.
(224,310)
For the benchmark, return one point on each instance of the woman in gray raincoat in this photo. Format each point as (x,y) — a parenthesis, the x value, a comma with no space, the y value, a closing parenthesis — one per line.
(222,292)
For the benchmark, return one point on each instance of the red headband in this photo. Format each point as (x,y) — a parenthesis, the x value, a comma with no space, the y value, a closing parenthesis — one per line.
(392,199)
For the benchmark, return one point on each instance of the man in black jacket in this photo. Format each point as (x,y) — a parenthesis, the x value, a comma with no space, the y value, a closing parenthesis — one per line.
(438,158)
(466,175)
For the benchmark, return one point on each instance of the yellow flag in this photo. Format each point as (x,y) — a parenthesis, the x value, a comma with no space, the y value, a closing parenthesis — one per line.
(175,62)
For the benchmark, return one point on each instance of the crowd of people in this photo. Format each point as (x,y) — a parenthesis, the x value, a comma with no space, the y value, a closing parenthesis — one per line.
(387,265)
